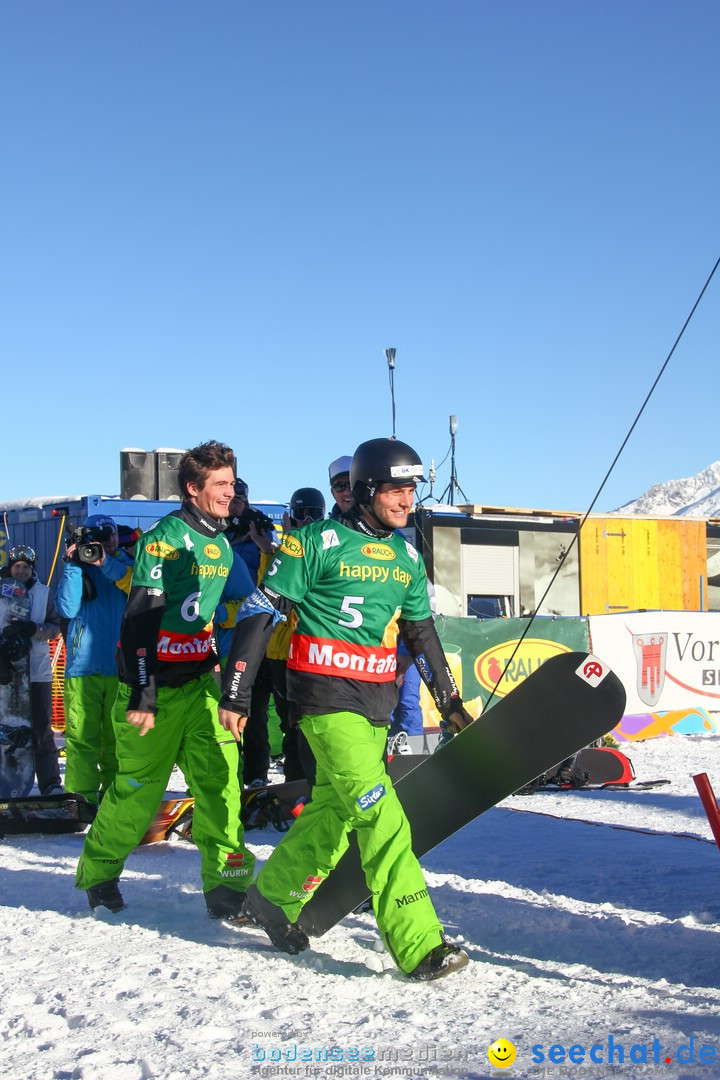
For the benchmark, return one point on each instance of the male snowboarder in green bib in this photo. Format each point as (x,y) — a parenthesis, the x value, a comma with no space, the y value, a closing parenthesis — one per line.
(355,584)
(166,709)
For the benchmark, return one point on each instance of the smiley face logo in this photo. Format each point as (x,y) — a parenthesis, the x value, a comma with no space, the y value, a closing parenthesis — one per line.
(501,1054)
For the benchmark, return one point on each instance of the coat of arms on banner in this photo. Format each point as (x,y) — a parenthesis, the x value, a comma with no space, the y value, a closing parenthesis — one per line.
(650,652)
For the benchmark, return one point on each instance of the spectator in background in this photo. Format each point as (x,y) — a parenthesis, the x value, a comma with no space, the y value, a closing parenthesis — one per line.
(339,473)
(251,535)
(89,599)
(306,505)
(407,716)
(238,586)
(128,538)
(249,530)
(41,627)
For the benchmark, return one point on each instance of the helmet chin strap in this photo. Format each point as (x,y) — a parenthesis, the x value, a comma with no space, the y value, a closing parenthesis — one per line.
(380,529)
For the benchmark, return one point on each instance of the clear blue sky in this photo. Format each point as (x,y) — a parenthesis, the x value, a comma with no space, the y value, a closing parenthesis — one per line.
(216,217)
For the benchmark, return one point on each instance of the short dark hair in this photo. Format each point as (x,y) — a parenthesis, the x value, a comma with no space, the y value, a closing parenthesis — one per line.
(196,464)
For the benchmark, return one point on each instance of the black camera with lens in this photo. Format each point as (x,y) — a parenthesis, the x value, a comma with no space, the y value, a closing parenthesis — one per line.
(88,541)
(240,525)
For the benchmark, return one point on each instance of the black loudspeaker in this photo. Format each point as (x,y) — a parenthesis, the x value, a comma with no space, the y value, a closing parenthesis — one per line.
(166,469)
(137,474)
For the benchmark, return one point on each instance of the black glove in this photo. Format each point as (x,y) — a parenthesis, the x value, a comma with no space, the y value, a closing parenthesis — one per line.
(16,647)
(15,738)
(20,626)
(455,718)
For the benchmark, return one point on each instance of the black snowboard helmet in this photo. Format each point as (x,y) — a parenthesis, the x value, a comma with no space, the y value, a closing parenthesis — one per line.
(307,503)
(382,461)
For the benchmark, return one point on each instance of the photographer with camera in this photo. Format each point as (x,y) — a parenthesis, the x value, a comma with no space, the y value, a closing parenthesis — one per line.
(33,634)
(250,531)
(91,598)
(251,534)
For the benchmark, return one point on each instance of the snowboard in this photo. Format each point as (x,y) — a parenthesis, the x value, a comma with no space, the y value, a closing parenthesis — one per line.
(567,703)
(590,768)
(604,765)
(17,764)
(65,813)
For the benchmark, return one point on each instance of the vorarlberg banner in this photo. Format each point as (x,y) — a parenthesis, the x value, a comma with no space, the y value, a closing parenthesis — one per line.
(665,659)
(480,654)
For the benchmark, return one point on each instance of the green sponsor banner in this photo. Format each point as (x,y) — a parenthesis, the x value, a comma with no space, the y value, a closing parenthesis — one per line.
(480,654)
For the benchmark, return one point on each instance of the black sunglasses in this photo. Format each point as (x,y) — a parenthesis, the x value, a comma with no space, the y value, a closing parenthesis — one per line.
(340,485)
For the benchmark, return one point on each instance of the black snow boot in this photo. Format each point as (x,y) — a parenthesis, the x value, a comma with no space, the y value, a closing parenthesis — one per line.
(225,903)
(106,895)
(442,960)
(283,934)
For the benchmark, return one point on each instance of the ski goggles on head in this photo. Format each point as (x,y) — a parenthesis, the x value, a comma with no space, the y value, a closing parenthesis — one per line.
(22,553)
(304,514)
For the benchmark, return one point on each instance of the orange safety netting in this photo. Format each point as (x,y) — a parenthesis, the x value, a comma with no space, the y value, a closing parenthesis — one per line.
(57,658)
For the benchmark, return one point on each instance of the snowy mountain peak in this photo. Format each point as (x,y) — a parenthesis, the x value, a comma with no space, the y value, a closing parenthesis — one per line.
(695,496)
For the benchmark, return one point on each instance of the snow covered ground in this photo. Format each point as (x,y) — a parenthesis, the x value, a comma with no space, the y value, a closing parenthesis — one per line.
(592,920)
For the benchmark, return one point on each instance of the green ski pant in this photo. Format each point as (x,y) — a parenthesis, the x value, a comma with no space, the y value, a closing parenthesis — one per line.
(354,792)
(91,761)
(187,731)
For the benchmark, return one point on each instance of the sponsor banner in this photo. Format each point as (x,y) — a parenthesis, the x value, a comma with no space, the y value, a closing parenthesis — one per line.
(480,655)
(326,656)
(666,660)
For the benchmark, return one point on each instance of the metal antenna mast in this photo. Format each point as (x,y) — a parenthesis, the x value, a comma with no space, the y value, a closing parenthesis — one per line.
(453,486)
(390,357)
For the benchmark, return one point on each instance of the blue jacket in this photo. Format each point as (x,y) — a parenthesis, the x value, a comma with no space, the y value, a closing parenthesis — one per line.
(92,635)
(238,585)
